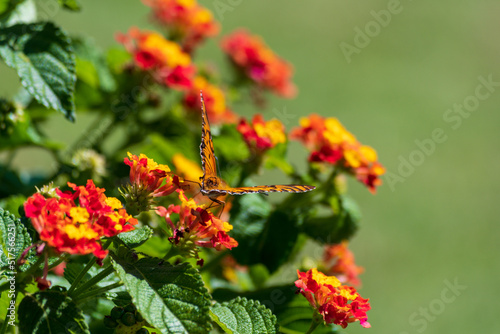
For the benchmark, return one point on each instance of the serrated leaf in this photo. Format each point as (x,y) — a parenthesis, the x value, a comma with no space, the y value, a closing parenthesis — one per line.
(172,299)
(42,55)
(50,312)
(14,240)
(292,310)
(241,316)
(136,237)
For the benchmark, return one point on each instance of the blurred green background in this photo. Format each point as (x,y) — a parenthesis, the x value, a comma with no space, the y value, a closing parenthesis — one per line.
(431,224)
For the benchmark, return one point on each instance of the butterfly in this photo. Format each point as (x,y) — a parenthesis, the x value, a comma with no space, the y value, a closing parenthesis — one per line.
(212,185)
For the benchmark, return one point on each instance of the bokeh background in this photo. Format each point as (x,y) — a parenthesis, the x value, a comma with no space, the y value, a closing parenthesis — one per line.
(433,223)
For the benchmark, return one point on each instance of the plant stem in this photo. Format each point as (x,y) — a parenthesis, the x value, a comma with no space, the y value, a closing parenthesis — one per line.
(91,282)
(86,269)
(81,275)
(311,329)
(97,291)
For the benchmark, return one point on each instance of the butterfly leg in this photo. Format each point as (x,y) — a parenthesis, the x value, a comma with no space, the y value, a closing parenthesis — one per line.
(219,203)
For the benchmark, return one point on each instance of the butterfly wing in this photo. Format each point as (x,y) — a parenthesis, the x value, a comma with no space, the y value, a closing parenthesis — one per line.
(208,162)
(288,188)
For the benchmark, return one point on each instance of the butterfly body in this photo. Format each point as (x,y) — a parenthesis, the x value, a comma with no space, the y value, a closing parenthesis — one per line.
(214,187)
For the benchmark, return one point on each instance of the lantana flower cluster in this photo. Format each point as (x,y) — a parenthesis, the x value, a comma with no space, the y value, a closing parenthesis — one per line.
(261,135)
(259,63)
(148,180)
(164,59)
(74,222)
(338,304)
(196,227)
(187,21)
(329,142)
(340,262)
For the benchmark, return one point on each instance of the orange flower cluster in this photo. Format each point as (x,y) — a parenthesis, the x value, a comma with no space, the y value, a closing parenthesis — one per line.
(170,65)
(186,19)
(196,226)
(337,303)
(259,62)
(340,261)
(73,222)
(330,142)
(215,101)
(147,182)
(261,135)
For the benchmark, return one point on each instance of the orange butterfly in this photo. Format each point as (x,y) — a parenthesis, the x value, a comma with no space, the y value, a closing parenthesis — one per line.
(212,186)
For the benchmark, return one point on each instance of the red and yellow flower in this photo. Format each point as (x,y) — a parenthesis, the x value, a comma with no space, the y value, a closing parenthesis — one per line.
(336,303)
(196,227)
(340,263)
(148,180)
(259,62)
(74,222)
(215,101)
(170,65)
(261,135)
(186,19)
(329,142)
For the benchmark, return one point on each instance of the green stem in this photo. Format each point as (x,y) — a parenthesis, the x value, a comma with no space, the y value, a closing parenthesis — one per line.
(96,292)
(311,329)
(86,269)
(285,330)
(81,275)
(91,282)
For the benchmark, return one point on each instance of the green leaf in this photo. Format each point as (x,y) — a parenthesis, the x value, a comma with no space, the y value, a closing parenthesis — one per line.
(172,299)
(17,12)
(276,157)
(120,298)
(336,227)
(14,240)
(248,216)
(50,312)
(229,144)
(270,235)
(42,55)
(136,237)
(72,5)
(292,310)
(241,316)
(91,66)
(72,270)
